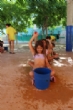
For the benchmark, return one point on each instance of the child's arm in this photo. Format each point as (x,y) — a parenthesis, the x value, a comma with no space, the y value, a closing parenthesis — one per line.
(47,64)
(50,56)
(30,43)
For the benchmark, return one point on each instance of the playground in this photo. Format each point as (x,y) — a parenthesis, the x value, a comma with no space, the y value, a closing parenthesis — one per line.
(16,90)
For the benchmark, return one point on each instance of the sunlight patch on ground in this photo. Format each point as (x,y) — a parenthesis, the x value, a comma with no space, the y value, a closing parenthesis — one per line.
(64,61)
(63,58)
(57,63)
(23,65)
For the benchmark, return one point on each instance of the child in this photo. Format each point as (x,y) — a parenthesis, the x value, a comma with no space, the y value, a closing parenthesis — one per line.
(53,39)
(56,56)
(48,38)
(1,47)
(51,54)
(40,60)
(30,62)
(45,43)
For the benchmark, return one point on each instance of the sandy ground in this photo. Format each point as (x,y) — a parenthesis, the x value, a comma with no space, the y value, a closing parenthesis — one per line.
(17,93)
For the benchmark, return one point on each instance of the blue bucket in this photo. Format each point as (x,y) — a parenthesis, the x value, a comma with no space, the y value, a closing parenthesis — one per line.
(42,78)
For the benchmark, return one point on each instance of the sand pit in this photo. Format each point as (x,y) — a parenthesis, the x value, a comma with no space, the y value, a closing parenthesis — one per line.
(17,93)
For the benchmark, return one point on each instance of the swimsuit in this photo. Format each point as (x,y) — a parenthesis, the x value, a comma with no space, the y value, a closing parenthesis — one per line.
(40,56)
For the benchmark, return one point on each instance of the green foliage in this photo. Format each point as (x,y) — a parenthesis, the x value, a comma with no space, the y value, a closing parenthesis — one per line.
(48,12)
(15,14)
(22,13)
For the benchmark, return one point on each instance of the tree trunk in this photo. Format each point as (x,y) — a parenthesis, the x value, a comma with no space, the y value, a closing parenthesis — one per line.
(46,31)
(43,31)
(46,25)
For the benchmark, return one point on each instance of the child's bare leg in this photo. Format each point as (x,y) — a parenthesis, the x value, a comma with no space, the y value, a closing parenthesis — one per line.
(12,46)
(9,45)
(52,72)
(32,76)
(53,79)
(56,57)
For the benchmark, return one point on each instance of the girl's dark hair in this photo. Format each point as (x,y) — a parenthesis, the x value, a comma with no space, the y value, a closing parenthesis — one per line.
(48,37)
(39,43)
(1,43)
(47,43)
(8,24)
(53,44)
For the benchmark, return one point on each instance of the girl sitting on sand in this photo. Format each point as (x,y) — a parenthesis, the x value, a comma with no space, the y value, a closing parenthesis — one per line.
(51,53)
(45,46)
(40,60)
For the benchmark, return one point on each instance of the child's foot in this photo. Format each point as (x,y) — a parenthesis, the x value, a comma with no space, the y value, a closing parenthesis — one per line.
(12,52)
(53,79)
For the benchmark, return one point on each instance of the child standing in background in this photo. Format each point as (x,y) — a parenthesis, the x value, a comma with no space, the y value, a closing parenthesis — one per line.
(11,37)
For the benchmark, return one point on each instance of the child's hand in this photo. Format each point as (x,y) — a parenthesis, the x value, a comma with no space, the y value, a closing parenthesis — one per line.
(35,34)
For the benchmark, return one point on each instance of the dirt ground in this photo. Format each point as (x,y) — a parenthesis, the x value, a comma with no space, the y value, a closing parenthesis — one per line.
(17,93)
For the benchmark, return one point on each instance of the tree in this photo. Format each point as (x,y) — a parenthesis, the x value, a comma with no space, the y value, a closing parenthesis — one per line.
(14,13)
(43,13)
(48,13)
